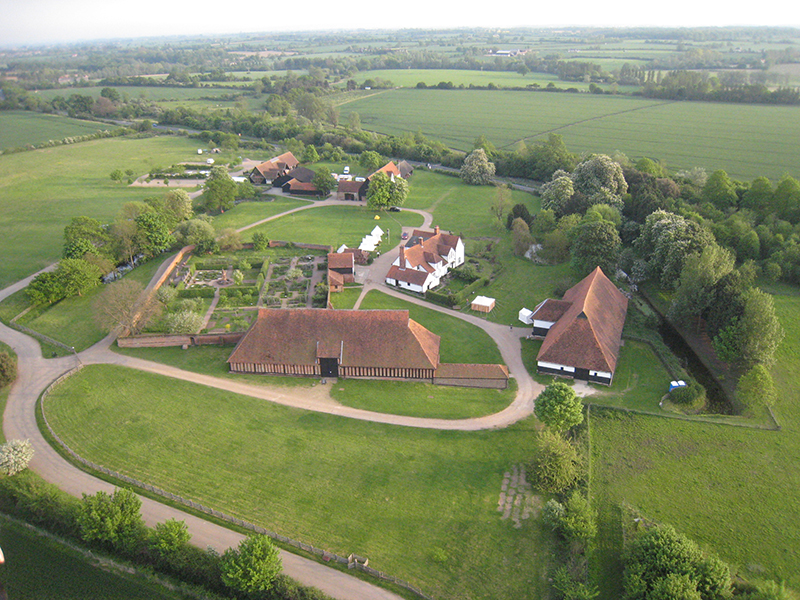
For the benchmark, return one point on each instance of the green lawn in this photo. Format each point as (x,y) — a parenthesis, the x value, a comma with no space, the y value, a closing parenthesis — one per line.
(39,567)
(246,213)
(347,298)
(734,490)
(422,399)
(462,342)
(419,504)
(746,140)
(336,225)
(21,127)
(43,189)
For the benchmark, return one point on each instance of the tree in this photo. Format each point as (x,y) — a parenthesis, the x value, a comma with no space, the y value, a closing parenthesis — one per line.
(112,519)
(118,306)
(178,206)
(760,330)
(477,169)
(557,192)
(384,191)
(699,276)
(759,196)
(556,464)
(545,158)
(169,537)
(220,190)
(15,456)
(354,121)
(194,231)
(253,566)
(184,321)
(559,407)
(756,388)
(500,205)
(600,180)
(720,190)
(229,239)
(579,521)
(370,160)
(521,236)
(8,369)
(596,244)
(77,276)
(85,228)
(324,182)
(152,234)
(117,175)
(663,553)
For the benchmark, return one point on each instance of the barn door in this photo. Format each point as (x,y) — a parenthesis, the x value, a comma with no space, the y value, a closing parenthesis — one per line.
(329,367)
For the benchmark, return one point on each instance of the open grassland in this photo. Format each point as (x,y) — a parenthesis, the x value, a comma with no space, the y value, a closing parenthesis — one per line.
(40,567)
(419,504)
(734,490)
(462,342)
(246,213)
(43,189)
(336,225)
(155,93)
(21,127)
(744,139)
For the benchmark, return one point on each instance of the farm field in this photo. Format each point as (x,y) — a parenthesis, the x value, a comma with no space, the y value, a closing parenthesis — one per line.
(20,128)
(422,505)
(733,490)
(155,93)
(43,189)
(69,574)
(746,140)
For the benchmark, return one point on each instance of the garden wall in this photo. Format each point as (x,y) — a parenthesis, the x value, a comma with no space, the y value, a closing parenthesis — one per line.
(167,340)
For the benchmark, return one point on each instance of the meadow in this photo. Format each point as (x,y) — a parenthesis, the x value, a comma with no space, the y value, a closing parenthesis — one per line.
(43,190)
(20,128)
(745,140)
(419,504)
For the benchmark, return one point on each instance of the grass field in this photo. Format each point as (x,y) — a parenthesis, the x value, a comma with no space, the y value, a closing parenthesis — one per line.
(745,140)
(336,225)
(19,128)
(419,504)
(43,189)
(734,490)
(39,567)
(246,213)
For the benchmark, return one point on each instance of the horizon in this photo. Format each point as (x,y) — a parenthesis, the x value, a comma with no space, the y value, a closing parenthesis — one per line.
(40,23)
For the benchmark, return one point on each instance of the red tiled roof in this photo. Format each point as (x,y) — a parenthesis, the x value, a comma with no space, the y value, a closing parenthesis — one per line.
(295,185)
(364,338)
(341,260)
(349,187)
(335,279)
(550,310)
(389,168)
(411,276)
(588,334)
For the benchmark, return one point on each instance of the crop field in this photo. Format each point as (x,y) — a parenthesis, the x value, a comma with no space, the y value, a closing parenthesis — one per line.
(734,490)
(43,189)
(69,574)
(746,140)
(19,128)
(420,504)
(155,93)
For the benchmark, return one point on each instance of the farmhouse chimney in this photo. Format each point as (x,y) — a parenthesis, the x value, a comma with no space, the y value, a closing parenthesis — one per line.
(402,257)
(436,230)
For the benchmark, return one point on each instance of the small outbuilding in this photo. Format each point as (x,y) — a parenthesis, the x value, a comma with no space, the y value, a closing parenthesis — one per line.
(483,304)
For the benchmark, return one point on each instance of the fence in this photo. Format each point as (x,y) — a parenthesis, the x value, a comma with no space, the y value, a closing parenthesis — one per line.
(352,561)
(48,340)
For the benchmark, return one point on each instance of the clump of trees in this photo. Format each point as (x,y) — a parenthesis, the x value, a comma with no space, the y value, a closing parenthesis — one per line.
(384,191)
(477,168)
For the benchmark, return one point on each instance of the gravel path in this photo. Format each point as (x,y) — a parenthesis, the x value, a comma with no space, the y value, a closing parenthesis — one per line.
(36,373)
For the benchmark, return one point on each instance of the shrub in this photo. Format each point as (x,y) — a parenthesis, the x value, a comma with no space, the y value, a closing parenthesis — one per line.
(559,407)
(253,566)
(556,465)
(112,519)
(8,369)
(693,395)
(15,456)
(579,522)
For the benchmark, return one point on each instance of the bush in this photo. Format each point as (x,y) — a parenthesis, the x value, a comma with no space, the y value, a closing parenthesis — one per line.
(693,395)
(556,465)
(8,369)
(253,566)
(15,456)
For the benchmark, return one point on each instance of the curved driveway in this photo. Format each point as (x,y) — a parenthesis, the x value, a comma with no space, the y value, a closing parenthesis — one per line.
(35,373)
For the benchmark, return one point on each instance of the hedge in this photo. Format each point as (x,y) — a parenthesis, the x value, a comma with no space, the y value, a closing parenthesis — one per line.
(198,292)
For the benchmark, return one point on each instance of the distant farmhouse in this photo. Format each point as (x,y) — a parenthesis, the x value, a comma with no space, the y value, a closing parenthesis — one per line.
(269,171)
(368,344)
(583,331)
(353,189)
(425,259)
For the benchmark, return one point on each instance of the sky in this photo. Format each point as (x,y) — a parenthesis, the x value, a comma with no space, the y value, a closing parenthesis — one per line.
(33,22)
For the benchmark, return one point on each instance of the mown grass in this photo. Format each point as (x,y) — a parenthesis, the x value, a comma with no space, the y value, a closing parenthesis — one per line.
(21,127)
(43,568)
(461,342)
(347,298)
(245,213)
(336,225)
(732,489)
(426,400)
(43,190)
(419,504)
(744,139)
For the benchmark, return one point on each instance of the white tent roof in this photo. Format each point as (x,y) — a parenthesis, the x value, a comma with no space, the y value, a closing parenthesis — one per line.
(525,316)
(367,244)
(483,301)
(377,232)
(342,248)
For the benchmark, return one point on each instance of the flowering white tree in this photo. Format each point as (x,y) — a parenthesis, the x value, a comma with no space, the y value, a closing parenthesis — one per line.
(477,168)
(15,456)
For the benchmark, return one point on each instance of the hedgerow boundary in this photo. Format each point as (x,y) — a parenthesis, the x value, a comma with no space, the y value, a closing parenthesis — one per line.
(353,561)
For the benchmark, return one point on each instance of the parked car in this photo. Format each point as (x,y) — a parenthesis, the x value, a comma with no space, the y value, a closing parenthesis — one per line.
(404,236)
(394,209)
(346,170)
